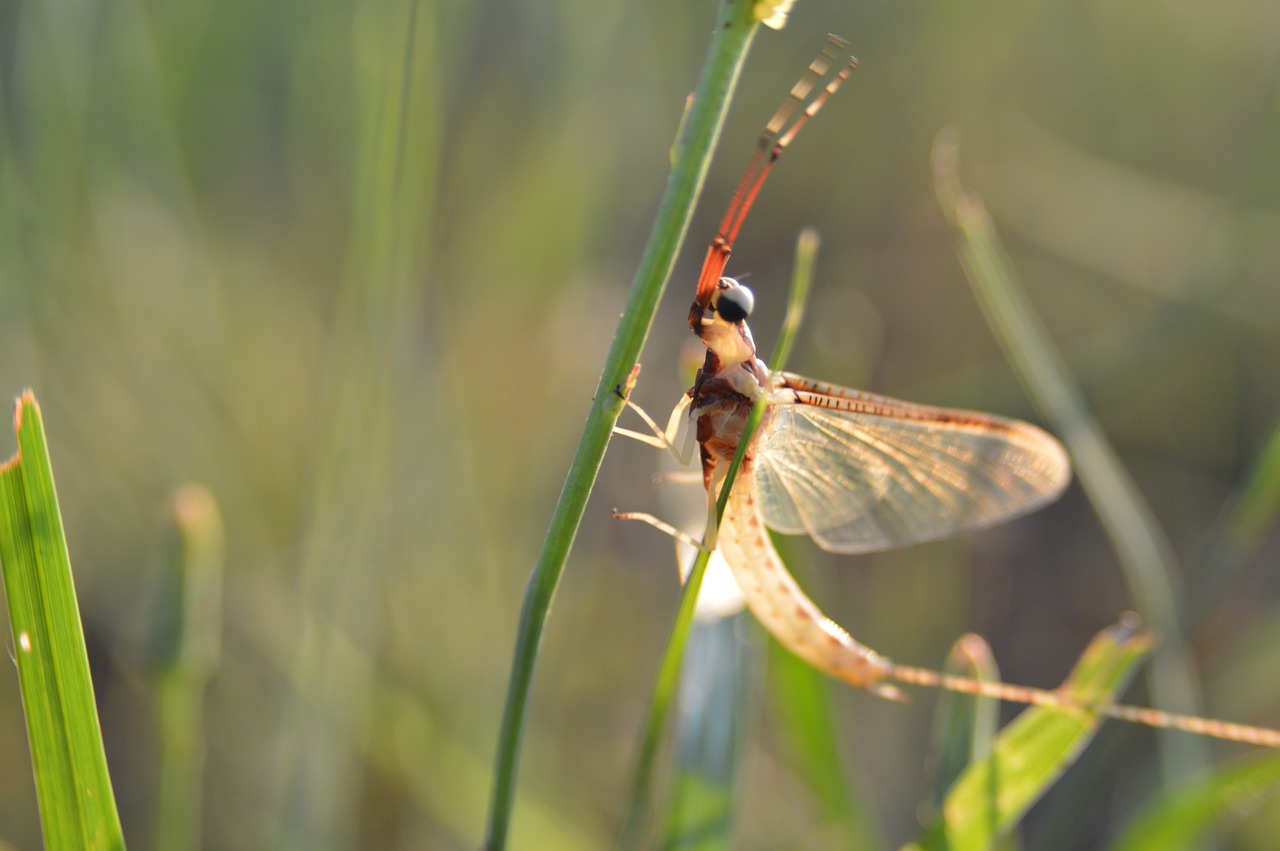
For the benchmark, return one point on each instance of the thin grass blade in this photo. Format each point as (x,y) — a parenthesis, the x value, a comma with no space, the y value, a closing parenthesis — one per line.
(664,692)
(1029,755)
(188,643)
(77,807)
(733,36)
(1145,553)
(799,693)
(711,729)
(964,726)
(1241,530)
(1176,819)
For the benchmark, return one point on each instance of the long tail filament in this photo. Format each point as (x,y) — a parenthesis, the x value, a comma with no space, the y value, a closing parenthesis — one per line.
(1260,736)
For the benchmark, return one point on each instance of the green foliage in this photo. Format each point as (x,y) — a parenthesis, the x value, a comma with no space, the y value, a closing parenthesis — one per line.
(187,645)
(357,267)
(995,791)
(1143,550)
(701,129)
(77,807)
(1178,819)
(964,725)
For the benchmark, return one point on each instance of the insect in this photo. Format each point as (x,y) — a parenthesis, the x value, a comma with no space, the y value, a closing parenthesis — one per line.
(855,471)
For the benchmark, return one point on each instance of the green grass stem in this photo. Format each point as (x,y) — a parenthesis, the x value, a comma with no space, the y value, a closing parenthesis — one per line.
(798,691)
(188,649)
(1145,554)
(729,44)
(664,690)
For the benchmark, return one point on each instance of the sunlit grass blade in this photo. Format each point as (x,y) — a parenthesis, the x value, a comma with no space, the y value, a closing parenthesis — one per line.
(797,296)
(711,728)
(733,35)
(798,692)
(187,649)
(77,807)
(1029,755)
(665,687)
(664,690)
(964,726)
(1176,819)
(1145,553)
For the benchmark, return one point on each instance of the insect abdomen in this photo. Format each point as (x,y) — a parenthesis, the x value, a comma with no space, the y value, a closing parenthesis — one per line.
(781,606)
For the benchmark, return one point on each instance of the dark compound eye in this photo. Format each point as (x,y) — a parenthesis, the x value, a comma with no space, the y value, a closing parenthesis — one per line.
(735,305)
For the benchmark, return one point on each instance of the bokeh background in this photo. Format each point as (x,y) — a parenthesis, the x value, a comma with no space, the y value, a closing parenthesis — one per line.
(219,264)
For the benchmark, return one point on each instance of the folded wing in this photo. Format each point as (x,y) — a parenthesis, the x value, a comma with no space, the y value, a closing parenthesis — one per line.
(859,472)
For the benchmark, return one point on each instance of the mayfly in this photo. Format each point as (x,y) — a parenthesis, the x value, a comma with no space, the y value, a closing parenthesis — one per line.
(857,472)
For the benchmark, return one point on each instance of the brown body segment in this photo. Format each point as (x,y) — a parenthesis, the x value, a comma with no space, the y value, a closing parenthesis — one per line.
(781,606)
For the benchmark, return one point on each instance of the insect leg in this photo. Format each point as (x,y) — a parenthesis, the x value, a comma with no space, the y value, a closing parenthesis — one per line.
(661,526)
(662,438)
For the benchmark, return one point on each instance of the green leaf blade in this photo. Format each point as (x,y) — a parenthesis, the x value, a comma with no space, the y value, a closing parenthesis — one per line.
(1175,819)
(710,736)
(77,807)
(964,727)
(993,794)
(1144,550)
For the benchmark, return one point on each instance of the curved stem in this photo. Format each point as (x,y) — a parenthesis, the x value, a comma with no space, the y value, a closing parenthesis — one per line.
(701,130)
(664,688)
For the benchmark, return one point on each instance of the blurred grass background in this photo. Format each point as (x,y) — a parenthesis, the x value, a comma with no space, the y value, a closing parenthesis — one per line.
(222,260)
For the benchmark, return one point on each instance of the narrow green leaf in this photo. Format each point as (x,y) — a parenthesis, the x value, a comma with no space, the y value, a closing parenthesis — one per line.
(798,692)
(711,727)
(1175,819)
(797,296)
(733,35)
(672,661)
(1145,553)
(664,689)
(964,726)
(994,793)
(188,647)
(1258,506)
(77,807)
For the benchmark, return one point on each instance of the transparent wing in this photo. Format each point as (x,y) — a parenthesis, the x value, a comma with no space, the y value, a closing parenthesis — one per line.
(859,472)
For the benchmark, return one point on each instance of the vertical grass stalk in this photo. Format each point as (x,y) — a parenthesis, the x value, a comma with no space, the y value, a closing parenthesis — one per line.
(664,689)
(732,37)
(188,649)
(1145,554)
